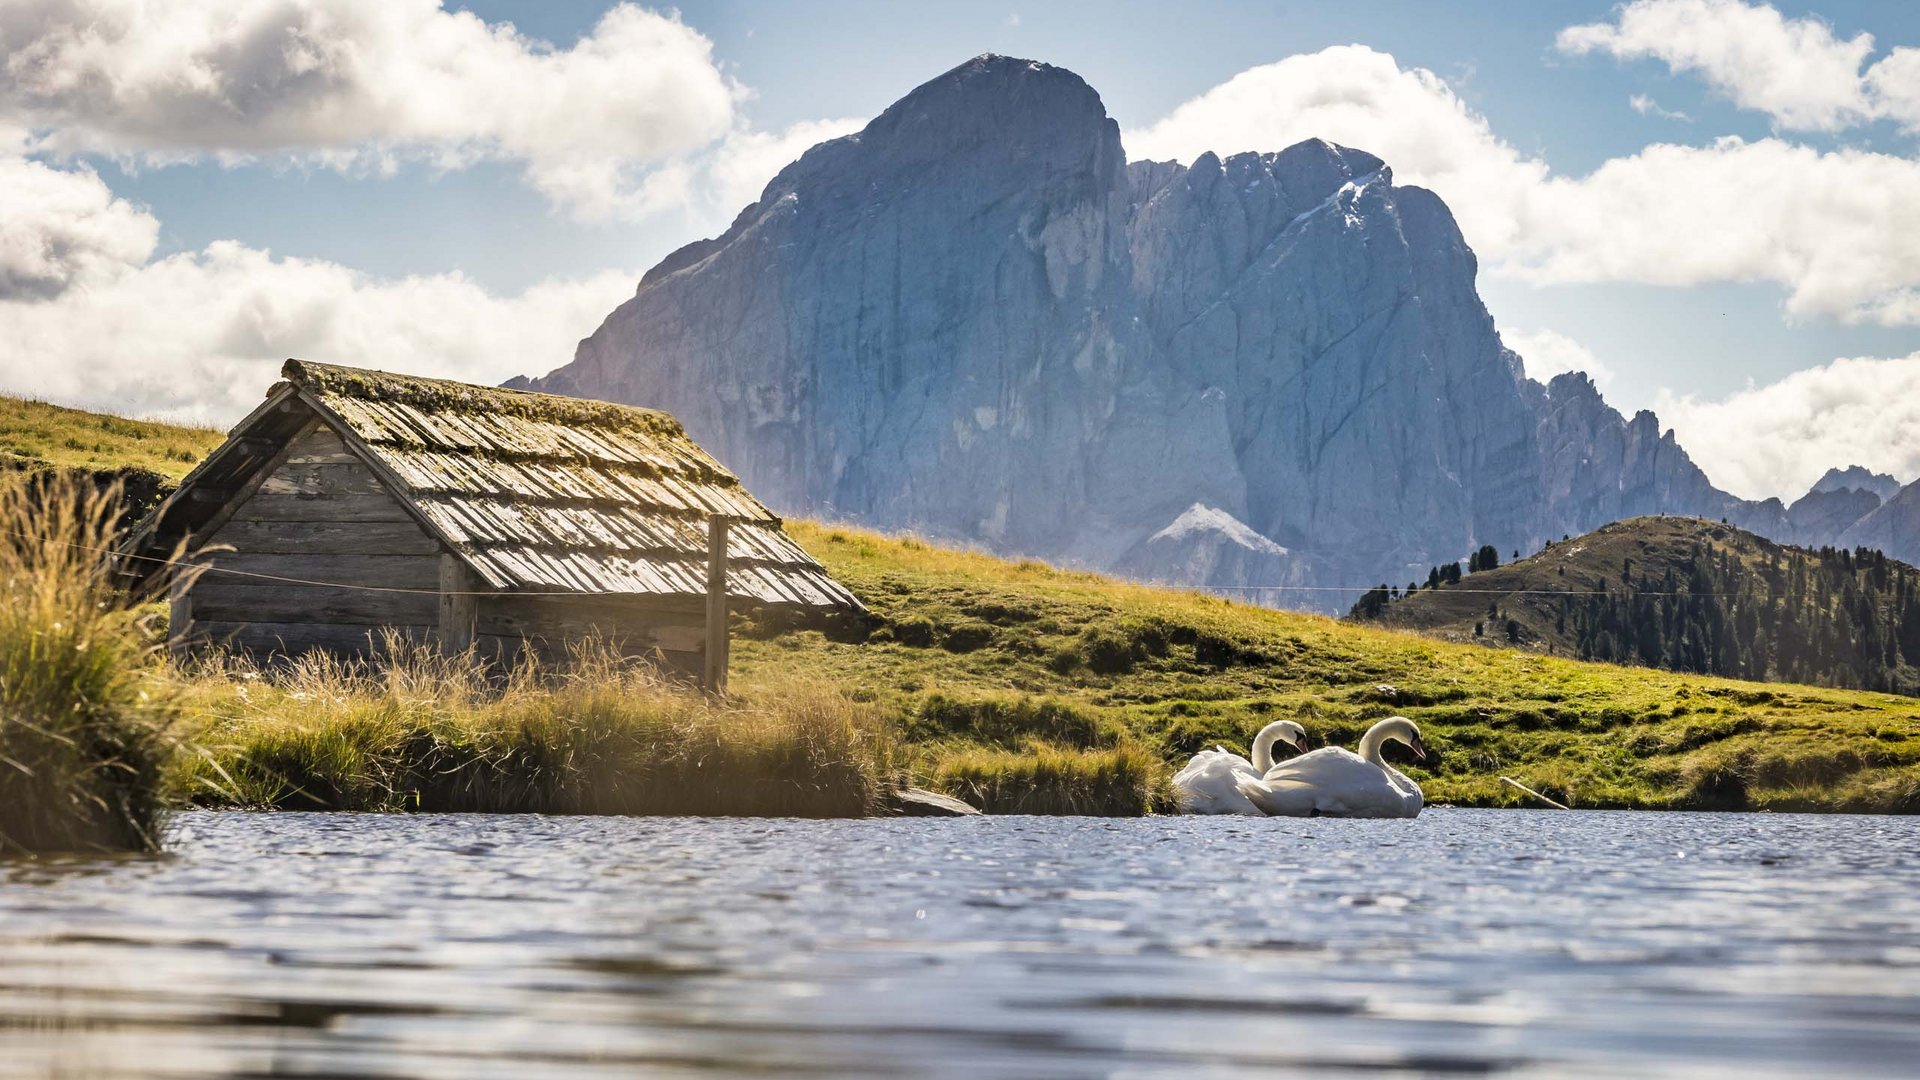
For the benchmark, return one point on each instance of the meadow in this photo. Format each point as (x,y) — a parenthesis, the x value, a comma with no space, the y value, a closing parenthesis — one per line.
(985,661)
(1016,686)
(37,434)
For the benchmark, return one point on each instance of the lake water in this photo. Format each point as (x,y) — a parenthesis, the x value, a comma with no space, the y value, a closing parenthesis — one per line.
(1462,943)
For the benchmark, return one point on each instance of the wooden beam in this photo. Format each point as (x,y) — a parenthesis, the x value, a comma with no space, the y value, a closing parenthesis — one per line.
(459,607)
(326,538)
(266,506)
(386,571)
(264,639)
(231,599)
(714,669)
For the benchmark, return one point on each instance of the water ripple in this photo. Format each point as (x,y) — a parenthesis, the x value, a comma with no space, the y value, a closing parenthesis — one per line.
(1466,942)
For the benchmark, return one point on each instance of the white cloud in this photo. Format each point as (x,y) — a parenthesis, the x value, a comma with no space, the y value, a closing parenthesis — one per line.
(1798,71)
(1547,353)
(1895,84)
(200,335)
(1836,229)
(1646,106)
(61,227)
(1355,96)
(1779,438)
(365,84)
(717,183)
(631,119)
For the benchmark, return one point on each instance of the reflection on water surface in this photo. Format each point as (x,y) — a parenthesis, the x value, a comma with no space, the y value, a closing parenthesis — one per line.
(1463,943)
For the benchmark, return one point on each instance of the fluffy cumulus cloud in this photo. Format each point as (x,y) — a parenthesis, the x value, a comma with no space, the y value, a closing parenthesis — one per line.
(61,227)
(633,118)
(1835,228)
(1796,70)
(1547,353)
(199,335)
(613,125)
(1777,439)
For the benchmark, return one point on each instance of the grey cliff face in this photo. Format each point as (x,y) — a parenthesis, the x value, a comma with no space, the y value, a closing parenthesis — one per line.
(1819,517)
(975,319)
(1893,527)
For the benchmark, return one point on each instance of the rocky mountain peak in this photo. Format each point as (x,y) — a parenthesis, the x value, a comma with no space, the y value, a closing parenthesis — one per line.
(1857,478)
(974,318)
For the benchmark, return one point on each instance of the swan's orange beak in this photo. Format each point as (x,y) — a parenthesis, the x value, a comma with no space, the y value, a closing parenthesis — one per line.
(1300,746)
(1419,749)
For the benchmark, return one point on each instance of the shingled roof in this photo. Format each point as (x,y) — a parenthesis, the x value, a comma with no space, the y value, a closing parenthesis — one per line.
(537,492)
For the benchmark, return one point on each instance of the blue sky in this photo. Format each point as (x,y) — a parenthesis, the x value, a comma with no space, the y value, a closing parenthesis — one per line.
(376,217)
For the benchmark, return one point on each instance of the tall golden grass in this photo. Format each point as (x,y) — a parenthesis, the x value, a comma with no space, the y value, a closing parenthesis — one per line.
(85,706)
(414,729)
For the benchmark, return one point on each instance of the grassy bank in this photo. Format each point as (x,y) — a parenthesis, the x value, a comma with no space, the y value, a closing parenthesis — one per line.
(1016,686)
(418,731)
(86,712)
(1025,689)
(981,660)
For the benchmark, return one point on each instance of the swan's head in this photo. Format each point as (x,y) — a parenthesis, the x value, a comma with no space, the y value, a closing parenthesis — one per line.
(1285,731)
(1401,729)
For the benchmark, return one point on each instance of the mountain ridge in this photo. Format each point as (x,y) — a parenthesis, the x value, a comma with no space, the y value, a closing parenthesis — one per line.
(1686,594)
(977,319)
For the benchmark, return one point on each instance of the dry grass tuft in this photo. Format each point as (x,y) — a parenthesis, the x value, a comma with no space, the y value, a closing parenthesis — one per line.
(85,709)
(416,730)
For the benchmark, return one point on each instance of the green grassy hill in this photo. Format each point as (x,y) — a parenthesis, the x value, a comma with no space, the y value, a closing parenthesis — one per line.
(1024,687)
(981,658)
(1690,595)
(34,433)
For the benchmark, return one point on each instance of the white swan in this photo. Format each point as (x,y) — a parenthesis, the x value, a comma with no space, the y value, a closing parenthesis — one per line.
(1333,782)
(1207,784)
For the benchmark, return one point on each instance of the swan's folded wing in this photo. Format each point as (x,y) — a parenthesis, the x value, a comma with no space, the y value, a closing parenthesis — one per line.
(1214,763)
(1206,785)
(1278,798)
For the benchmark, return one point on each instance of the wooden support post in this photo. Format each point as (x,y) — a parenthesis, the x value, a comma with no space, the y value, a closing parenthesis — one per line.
(714,669)
(459,607)
(179,613)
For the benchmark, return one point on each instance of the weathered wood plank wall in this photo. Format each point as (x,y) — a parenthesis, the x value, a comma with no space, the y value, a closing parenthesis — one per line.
(321,516)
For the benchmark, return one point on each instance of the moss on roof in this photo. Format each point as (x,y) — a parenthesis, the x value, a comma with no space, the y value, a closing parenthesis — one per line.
(447,396)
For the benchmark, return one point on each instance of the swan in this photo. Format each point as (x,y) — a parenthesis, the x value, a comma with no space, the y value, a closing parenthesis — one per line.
(1335,782)
(1207,784)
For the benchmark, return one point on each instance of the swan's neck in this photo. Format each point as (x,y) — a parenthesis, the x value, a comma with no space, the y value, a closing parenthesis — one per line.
(1263,749)
(1372,741)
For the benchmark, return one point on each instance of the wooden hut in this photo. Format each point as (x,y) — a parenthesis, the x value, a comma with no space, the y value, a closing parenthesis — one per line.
(353,502)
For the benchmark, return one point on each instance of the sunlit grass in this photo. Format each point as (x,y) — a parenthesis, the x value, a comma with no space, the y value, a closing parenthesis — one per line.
(1124,781)
(414,730)
(975,653)
(34,432)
